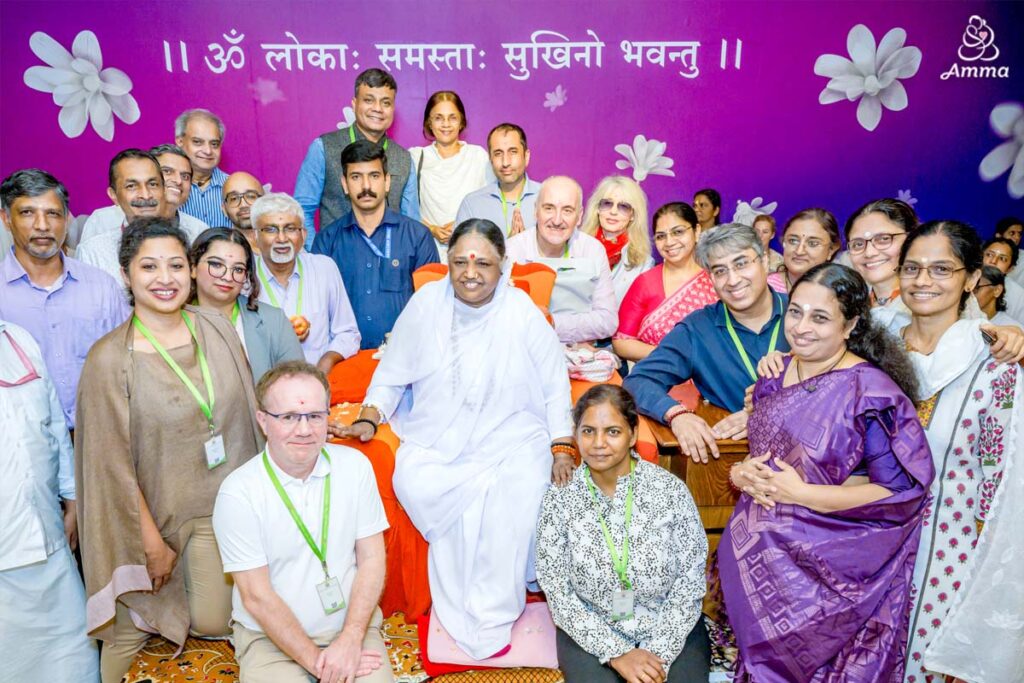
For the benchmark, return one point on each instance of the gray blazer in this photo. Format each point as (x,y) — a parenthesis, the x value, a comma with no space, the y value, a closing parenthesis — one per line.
(269,337)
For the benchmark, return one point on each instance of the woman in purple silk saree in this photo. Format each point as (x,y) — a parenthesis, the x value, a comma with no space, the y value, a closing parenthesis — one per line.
(817,560)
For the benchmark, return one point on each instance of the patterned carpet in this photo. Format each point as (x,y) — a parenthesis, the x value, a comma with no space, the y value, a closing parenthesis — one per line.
(213,661)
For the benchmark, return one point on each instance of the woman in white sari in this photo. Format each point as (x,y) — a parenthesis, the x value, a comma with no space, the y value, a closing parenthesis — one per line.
(969,591)
(474,382)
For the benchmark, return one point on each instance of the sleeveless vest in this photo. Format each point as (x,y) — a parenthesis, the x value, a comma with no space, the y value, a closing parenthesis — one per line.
(334,203)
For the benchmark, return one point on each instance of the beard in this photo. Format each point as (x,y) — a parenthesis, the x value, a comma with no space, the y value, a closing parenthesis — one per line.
(278,257)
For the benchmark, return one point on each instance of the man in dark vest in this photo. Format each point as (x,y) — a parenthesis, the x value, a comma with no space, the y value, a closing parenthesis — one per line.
(318,185)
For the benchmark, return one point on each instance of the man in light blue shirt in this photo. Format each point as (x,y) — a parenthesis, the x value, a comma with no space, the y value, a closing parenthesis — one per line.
(201,134)
(318,185)
(511,200)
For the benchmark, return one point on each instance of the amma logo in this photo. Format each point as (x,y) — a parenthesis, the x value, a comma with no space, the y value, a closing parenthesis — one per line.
(978,45)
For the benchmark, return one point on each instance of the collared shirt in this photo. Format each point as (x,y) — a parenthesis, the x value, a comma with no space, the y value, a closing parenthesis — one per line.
(102,249)
(112,219)
(378,288)
(207,204)
(309,188)
(325,304)
(486,203)
(667,554)
(601,321)
(66,318)
(37,468)
(254,529)
(700,348)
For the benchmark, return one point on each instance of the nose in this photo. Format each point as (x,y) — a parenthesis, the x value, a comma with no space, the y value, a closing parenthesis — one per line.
(733,277)
(39,222)
(600,439)
(870,250)
(923,273)
(303,427)
(802,325)
(471,271)
(146,192)
(801,248)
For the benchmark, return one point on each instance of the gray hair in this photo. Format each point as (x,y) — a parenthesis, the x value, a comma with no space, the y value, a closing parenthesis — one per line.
(181,123)
(276,202)
(30,182)
(727,238)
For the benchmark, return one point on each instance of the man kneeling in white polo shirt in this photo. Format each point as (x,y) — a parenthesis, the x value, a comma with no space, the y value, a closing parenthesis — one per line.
(300,529)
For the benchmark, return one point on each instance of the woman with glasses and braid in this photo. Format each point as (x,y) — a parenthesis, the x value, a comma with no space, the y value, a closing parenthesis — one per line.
(874,235)
(222,267)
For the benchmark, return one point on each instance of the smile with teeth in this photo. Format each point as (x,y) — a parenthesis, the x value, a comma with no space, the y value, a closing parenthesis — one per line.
(164,293)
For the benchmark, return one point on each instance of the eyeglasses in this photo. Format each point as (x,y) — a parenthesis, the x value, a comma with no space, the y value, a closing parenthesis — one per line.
(882,240)
(219,269)
(235,199)
(674,233)
(317,418)
(607,204)
(936,271)
(794,242)
(289,230)
(722,272)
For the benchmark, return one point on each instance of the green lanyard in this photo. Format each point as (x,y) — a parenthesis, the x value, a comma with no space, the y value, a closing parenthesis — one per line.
(320,552)
(206,407)
(235,312)
(352,137)
(739,345)
(619,561)
(504,205)
(270,292)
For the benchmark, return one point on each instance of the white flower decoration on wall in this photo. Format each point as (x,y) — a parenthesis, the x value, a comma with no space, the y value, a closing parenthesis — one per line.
(873,75)
(645,158)
(1007,121)
(349,117)
(746,212)
(81,87)
(556,98)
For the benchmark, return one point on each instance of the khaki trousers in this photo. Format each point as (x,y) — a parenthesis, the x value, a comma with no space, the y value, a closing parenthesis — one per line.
(260,660)
(209,602)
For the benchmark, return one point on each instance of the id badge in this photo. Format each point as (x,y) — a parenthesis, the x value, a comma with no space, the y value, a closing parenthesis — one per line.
(330,595)
(622,605)
(215,454)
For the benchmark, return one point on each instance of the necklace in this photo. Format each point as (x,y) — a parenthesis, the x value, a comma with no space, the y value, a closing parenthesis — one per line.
(811,388)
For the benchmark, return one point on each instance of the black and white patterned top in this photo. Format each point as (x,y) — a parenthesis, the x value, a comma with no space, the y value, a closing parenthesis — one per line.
(667,554)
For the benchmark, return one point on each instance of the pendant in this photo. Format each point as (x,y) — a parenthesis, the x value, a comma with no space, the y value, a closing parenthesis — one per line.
(811,388)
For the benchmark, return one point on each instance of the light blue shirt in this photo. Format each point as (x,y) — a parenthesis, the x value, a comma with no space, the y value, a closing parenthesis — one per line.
(309,188)
(486,203)
(208,204)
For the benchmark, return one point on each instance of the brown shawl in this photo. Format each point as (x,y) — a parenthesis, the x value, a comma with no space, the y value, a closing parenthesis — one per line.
(117,450)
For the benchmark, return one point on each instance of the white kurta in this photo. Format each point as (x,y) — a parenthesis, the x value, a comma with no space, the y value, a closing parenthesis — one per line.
(444,183)
(476,395)
(42,599)
(972,431)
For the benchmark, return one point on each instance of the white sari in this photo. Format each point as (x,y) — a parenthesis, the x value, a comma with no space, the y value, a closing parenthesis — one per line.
(968,613)
(476,395)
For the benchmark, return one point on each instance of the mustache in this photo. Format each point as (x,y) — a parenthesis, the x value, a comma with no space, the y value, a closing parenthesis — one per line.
(144,203)
(367,193)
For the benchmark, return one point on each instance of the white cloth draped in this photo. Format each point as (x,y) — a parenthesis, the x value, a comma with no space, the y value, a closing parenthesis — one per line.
(476,395)
(444,183)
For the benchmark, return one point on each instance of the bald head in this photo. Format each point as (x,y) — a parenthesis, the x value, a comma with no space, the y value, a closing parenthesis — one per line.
(559,211)
(240,191)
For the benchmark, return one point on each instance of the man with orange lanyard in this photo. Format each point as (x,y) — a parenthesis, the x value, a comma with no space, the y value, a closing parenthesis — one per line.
(718,346)
(301,605)
(510,201)
(307,287)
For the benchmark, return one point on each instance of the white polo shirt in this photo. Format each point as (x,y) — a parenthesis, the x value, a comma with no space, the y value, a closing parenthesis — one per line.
(254,529)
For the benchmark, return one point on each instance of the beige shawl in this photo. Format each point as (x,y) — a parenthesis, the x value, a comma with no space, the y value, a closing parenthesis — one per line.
(139,429)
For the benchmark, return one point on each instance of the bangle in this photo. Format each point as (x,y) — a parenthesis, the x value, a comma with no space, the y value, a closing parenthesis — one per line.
(675,412)
(365,421)
(733,486)
(564,449)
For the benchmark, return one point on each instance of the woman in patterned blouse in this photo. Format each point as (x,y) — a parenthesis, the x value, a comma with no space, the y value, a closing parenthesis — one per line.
(626,608)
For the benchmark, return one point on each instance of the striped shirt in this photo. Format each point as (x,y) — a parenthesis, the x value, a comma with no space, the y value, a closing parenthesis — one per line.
(207,204)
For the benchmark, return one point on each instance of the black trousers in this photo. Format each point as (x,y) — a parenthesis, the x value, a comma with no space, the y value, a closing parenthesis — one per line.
(691,666)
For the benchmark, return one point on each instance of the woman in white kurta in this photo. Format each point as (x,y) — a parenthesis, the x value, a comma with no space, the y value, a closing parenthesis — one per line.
(448,169)
(970,407)
(474,382)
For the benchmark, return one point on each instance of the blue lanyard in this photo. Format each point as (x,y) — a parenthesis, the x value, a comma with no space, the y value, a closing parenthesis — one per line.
(373,247)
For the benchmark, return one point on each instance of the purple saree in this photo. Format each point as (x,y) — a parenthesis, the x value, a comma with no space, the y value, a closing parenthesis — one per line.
(826,597)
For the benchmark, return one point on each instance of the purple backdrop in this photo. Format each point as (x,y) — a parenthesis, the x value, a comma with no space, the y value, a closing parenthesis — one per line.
(742,112)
